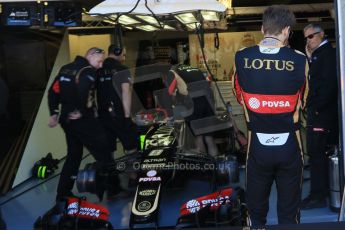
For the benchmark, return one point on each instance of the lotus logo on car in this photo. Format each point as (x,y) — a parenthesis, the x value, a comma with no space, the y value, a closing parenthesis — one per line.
(156,152)
(144,206)
(151,173)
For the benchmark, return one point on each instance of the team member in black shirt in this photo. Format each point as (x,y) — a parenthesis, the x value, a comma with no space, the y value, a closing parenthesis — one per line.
(114,100)
(74,90)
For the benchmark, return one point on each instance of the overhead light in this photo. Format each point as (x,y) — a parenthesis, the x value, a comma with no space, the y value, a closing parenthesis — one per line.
(209,15)
(108,21)
(186,18)
(192,25)
(153,21)
(167,27)
(148,19)
(147,28)
(160,7)
(113,23)
(125,20)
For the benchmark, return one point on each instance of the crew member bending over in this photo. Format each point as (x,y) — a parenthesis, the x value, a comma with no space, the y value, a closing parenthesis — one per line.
(180,77)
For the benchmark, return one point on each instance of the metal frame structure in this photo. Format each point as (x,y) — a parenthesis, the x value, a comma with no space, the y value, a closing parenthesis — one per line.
(340,36)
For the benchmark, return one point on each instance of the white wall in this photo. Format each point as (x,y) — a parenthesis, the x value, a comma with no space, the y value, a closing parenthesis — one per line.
(43,139)
(80,44)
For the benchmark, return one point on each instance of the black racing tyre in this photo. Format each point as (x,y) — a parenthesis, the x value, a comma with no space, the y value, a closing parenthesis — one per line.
(231,142)
(87,181)
(227,171)
(89,166)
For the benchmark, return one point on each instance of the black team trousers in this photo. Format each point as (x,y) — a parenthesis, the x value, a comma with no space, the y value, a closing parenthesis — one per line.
(86,132)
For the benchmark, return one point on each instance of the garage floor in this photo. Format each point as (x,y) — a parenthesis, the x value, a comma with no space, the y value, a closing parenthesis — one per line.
(22,206)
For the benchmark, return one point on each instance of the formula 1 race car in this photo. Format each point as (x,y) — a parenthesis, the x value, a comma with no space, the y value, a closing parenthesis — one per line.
(163,162)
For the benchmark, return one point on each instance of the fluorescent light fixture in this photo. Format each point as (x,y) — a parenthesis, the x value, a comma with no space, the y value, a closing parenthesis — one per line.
(186,18)
(160,7)
(113,23)
(167,27)
(153,21)
(192,25)
(125,20)
(110,22)
(147,28)
(210,16)
(148,19)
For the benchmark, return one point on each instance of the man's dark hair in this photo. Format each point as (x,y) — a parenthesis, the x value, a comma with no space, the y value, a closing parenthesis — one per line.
(276,18)
(111,49)
(114,49)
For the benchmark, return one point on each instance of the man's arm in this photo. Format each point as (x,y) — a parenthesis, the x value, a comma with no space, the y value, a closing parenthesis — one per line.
(328,87)
(53,102)
(126,99)
(305,87)
(84,85)
(236,89)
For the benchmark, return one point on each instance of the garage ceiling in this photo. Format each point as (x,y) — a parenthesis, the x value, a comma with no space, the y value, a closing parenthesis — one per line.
(247,14)
(243,14)
(244,3)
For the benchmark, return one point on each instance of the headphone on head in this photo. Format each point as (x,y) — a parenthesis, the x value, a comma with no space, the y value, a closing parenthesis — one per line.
(117,51)
(118,40)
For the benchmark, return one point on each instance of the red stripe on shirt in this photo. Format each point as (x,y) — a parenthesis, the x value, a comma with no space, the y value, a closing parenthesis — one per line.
(172,86)
(56,87)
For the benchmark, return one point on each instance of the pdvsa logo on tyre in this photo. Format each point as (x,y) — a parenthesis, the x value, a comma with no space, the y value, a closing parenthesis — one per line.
(254,103)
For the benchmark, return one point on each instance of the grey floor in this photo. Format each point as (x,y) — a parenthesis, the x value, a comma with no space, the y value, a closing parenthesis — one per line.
(22,206)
